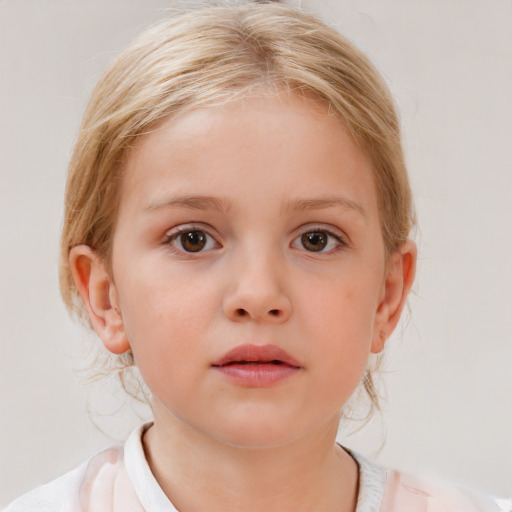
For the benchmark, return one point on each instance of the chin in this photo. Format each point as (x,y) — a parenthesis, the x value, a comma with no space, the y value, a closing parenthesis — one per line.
(258,440)
(259,433)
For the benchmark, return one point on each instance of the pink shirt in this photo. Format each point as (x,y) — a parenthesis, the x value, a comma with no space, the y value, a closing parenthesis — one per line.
(119,479)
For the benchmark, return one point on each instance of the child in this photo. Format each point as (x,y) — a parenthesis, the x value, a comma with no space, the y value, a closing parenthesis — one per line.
(237,222)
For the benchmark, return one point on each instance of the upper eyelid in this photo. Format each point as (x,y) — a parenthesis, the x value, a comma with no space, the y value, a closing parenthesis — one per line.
(192,226)
(337,237)
(332,230)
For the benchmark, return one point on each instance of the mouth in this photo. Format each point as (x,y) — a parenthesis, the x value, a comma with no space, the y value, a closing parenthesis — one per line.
(257,365)
(256,355)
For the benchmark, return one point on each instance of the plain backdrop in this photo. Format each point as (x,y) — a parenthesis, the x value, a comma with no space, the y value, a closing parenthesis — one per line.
(449,371)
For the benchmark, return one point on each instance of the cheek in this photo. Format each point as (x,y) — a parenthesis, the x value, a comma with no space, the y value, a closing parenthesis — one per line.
(339,318)
(165,321)
(158,295)
(342,308)
(164,330)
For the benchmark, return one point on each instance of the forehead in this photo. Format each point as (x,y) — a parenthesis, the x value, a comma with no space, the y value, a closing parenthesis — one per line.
(273,140)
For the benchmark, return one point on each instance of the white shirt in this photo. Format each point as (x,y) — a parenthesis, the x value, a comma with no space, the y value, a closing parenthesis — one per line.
(119,479)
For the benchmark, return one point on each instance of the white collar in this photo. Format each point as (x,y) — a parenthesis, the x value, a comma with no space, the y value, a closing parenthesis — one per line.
(147,489)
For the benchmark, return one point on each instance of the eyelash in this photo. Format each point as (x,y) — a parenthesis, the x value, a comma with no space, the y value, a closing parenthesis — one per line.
(176,236)
(339,241)
(170,239)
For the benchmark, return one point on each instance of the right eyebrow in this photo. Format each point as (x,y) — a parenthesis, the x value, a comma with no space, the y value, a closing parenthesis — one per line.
(322,202)
(197,202)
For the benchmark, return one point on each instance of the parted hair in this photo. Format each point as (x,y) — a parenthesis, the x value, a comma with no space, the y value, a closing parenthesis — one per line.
(210,55)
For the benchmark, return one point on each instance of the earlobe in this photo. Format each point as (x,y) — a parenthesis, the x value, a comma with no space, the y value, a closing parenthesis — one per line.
(99,294)
(399,278)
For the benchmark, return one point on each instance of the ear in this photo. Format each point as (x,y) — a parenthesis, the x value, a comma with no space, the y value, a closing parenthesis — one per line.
(400,272)
(99,294)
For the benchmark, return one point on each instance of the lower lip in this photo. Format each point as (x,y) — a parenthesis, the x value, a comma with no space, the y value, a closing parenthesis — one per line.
(257,374)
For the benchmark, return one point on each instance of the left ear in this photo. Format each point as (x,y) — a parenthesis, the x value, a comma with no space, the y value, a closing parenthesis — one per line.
(99,294)
(400,272)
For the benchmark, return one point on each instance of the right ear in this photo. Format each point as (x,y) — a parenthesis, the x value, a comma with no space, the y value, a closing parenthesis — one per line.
(100,297)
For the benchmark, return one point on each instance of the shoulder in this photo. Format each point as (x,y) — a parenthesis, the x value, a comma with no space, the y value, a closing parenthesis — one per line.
(90,485)
(49,497)
(407,493)
(57,495)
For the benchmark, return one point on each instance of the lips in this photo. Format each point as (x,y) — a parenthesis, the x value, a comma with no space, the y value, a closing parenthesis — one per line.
(257,365)
(257,354)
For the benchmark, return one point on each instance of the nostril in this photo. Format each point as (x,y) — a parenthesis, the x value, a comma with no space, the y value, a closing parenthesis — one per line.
(241,312)
(274,312)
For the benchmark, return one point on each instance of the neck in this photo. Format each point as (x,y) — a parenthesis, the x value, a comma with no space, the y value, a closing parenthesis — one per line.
(198,473)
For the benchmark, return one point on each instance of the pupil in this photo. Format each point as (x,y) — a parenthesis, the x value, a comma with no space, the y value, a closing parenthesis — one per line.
(193,241)
(314,241)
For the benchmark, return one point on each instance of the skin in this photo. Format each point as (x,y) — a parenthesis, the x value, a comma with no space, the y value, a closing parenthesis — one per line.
(272,168)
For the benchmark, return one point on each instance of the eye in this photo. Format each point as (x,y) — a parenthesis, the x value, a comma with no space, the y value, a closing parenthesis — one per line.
(192,240)
(318,241)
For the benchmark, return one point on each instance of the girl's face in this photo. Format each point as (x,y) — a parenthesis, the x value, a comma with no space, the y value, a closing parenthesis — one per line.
(248,269)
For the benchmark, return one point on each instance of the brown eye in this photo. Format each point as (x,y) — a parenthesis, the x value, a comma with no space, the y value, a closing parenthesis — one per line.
(193,241)
(319,241)
(187,239)
(314,241)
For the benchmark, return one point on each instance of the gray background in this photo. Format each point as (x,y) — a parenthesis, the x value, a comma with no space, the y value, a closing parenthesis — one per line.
(448,377)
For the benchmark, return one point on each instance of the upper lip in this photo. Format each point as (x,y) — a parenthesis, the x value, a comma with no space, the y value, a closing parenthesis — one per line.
(257,354)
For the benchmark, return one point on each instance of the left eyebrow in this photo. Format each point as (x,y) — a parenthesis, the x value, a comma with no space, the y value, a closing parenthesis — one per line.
(322,202)
(198,202)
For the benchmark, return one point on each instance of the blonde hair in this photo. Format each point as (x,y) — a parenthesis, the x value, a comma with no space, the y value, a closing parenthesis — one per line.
(212,55)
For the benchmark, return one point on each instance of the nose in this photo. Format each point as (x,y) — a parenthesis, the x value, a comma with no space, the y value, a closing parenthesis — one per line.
(257,293)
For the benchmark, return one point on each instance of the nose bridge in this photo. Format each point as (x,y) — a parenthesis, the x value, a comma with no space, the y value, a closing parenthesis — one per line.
(257,284)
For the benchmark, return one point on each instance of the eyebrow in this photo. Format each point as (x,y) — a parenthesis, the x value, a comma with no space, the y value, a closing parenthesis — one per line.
(191,202)
(322,202)
(200,202)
